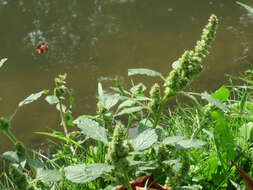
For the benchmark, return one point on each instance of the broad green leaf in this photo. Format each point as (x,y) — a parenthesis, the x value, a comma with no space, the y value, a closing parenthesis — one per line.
(217,115)
(142,71)
(52,99)
(146,123)
(224,140)
(92,129)
(110,100)
(172,140)
(11,156)
(82,118)
(189,143)
(243,102)
(61,137)
(222,94)
(144,140)
(48,175)
(126,103)
(248,8)
(2,61)
(32,98)
(246,131)
(130,110)
(182,143)
(35,163)
(214,102)
(143,125)
(84,173)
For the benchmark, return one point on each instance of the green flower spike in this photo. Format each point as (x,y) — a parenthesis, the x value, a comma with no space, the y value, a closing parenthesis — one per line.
(118,151)
(189,65)
(155,97)
(117,156)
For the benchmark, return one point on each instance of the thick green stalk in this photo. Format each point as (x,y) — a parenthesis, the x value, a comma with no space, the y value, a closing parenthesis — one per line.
(63,120)
(188,66)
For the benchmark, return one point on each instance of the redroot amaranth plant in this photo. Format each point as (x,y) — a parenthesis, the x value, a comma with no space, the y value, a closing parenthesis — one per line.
(189,65)
(117,156)
(60,91)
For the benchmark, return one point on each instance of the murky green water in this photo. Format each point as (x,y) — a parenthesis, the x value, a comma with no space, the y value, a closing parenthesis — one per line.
(94,40)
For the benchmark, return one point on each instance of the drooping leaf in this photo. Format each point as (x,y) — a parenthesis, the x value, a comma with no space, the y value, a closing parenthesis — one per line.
(2,61)
(176,64)
(142,71)
(130,110)
(146,123)
(126,103)
(11,156)
(61,107)
(36,164)
(224,139)
(248,8)
(120,91)
(236,185)
(84,173)
(100,93)
(246,132)
(209,133)
(139,88)
(61,137)
(214,102)
(172,140)
(48,175)
(182,143)
(189,143)
(92,129)
(32,98)
(243,102)
(144,140)
(52,99)
(82,118)
(222,94)
(141,98)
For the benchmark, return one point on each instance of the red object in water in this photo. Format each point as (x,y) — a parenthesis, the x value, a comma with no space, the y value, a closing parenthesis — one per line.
(42,48)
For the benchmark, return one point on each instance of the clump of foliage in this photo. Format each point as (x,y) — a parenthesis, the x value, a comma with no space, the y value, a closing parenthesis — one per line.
(134,134)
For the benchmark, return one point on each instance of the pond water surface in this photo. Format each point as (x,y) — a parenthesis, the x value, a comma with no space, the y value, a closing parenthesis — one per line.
(96,40)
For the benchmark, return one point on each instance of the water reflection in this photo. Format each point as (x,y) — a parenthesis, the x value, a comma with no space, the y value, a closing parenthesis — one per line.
(95,40)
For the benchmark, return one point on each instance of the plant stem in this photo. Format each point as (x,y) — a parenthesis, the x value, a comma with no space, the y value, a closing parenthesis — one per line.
(130,119)
(126,182)
(160,109)
(10,135)
(63,122)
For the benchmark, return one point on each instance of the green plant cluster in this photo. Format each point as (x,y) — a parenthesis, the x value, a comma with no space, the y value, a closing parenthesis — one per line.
(135,133)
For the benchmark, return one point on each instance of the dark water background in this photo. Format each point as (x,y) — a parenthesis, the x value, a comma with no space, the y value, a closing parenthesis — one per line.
(96,40)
